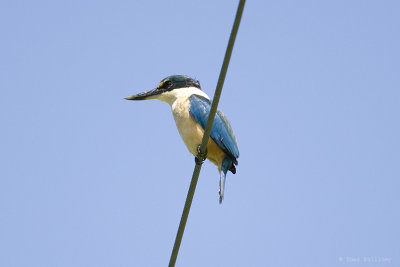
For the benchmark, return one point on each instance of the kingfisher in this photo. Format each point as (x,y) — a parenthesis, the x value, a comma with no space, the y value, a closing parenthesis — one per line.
(191,107)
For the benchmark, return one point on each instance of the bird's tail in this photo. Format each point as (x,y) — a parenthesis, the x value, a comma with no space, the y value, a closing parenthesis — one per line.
(226,164)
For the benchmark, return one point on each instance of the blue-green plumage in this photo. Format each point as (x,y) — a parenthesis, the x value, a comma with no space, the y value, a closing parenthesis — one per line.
(178,82)
(221,133)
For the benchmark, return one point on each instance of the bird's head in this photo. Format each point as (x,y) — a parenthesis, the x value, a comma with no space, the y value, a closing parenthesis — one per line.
(169,88)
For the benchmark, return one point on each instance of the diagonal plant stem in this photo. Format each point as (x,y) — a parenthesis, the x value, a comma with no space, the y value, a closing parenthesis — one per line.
(206,135)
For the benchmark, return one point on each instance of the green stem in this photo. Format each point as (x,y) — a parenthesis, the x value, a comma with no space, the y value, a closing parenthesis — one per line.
(206,135)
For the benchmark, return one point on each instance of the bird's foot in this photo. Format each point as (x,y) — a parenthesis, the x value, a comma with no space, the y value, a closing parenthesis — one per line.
(201,157)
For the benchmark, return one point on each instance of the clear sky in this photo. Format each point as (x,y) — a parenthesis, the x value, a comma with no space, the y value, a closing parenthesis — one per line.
(90,179)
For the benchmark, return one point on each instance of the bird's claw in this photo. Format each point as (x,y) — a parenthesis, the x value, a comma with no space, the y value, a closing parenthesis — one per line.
(201,157)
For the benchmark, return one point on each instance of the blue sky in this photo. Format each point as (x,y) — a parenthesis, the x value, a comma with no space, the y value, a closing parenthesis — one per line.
(90,179)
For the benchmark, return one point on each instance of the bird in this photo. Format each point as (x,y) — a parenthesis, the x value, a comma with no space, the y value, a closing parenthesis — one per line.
(190,107)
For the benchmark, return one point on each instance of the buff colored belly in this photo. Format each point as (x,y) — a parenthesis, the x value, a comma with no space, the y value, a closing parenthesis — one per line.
(192,134)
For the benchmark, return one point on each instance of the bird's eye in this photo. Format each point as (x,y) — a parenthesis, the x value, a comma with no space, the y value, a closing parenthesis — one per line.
(167,84)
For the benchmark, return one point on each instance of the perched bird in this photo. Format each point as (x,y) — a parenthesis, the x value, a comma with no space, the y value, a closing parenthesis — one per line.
(191,108)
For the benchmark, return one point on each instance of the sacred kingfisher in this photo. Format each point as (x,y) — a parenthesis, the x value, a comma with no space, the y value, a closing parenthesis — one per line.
(191,108)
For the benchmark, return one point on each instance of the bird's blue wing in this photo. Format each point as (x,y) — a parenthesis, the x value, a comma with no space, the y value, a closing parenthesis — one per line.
(221,131)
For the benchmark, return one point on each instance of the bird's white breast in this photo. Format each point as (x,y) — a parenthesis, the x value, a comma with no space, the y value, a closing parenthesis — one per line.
(190,131)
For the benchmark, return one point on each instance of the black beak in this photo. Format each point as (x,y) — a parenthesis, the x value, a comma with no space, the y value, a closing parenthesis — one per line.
(145,95)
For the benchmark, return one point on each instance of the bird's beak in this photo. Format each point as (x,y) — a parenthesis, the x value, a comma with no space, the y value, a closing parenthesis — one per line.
(146,95)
